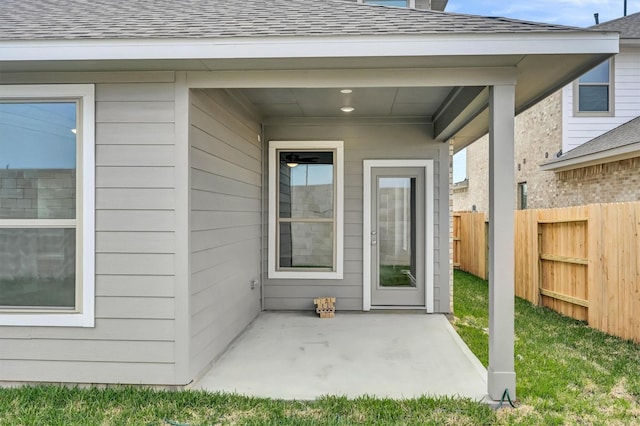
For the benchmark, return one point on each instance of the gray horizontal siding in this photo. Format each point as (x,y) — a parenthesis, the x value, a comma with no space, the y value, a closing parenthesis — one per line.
(115,329)
(87,371)
(225,222)
(362,142)
(135,177)
(133,337)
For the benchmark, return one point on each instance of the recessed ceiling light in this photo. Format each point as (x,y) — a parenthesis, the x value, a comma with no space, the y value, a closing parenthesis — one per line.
(346,91)
(347,109)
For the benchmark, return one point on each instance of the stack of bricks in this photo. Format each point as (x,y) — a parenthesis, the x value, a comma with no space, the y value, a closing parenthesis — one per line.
(325,306)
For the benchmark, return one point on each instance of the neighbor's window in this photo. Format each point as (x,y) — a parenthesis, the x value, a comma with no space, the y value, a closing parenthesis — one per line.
(594,91)
(305,236)
(522,196)
(46,145)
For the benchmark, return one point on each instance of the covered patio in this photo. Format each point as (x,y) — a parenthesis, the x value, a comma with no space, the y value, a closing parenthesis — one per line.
(187,104)
(296,355)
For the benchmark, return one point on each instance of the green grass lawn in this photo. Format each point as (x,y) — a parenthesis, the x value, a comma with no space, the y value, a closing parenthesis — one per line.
(567,374)
(127,406)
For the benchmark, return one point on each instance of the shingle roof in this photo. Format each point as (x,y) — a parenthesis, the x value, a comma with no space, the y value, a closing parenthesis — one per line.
(628,26)
(626,134)
(147,19)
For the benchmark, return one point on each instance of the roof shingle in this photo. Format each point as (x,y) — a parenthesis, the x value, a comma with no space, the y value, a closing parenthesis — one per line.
(161,19)
(626,134)
(627,26)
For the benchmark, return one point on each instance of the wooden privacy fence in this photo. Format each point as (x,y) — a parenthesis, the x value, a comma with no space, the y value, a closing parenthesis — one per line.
(583,262)
(471,243)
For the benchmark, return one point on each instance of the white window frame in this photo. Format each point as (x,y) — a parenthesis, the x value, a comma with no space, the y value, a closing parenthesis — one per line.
(523,194)
(84,313)
(338,148)
(611,84)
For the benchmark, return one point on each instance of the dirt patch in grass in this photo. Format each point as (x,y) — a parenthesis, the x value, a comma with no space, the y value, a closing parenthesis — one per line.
(620,391)
(304,413)
(237,417)
(523,414)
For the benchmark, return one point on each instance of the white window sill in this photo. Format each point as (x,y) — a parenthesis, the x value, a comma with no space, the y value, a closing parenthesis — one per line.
(47,320)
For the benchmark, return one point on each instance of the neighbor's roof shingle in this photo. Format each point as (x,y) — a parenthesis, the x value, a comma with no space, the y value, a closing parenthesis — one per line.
(627,26)
(135,19)
(626,134)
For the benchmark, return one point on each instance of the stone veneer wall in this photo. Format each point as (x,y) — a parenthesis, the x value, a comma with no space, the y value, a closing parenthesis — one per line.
(614,182)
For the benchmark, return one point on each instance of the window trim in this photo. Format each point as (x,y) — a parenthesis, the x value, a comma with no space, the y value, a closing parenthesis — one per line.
(338,148)
(611,84)
(523,195)
(84,314)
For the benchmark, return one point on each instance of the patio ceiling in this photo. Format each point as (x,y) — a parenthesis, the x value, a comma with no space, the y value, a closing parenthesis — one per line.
(380,102)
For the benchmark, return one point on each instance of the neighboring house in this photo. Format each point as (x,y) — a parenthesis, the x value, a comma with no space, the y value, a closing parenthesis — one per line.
(579,146)
(170,169)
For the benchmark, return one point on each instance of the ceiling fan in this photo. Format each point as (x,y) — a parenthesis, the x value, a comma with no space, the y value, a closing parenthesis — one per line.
(292,160)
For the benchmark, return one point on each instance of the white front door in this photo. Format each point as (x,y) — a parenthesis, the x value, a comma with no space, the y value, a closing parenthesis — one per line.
(398,246)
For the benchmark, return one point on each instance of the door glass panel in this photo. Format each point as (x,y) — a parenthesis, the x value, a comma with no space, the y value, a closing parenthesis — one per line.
(397,231)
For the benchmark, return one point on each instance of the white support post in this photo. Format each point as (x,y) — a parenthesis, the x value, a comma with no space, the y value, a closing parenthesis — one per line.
(501,372)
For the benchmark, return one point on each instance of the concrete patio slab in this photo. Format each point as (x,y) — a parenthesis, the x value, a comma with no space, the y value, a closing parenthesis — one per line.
(299,356)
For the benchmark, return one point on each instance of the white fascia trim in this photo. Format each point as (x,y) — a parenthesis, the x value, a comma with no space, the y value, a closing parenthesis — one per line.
(428,229)
(338,146)
(86,227)
(608,156)
(312,47)
(329,78)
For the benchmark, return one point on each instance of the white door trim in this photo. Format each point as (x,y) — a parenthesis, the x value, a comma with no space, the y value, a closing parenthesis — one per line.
(428,238)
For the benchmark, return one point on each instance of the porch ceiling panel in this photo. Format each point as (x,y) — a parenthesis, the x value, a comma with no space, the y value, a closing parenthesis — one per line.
(326,102)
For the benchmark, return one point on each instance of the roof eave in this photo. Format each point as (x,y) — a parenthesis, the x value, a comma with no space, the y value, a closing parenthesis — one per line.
(465,44)
(607,156)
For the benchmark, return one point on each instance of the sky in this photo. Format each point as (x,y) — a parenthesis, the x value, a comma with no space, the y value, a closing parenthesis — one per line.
(38,135)
(578,13)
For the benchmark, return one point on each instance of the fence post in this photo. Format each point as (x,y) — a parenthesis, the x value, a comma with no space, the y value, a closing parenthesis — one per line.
(538,295)
(486,248)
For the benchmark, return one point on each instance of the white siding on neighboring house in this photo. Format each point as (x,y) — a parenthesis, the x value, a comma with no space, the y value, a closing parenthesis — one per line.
(226,179)
(363,141)
(133,338)
(578,130)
